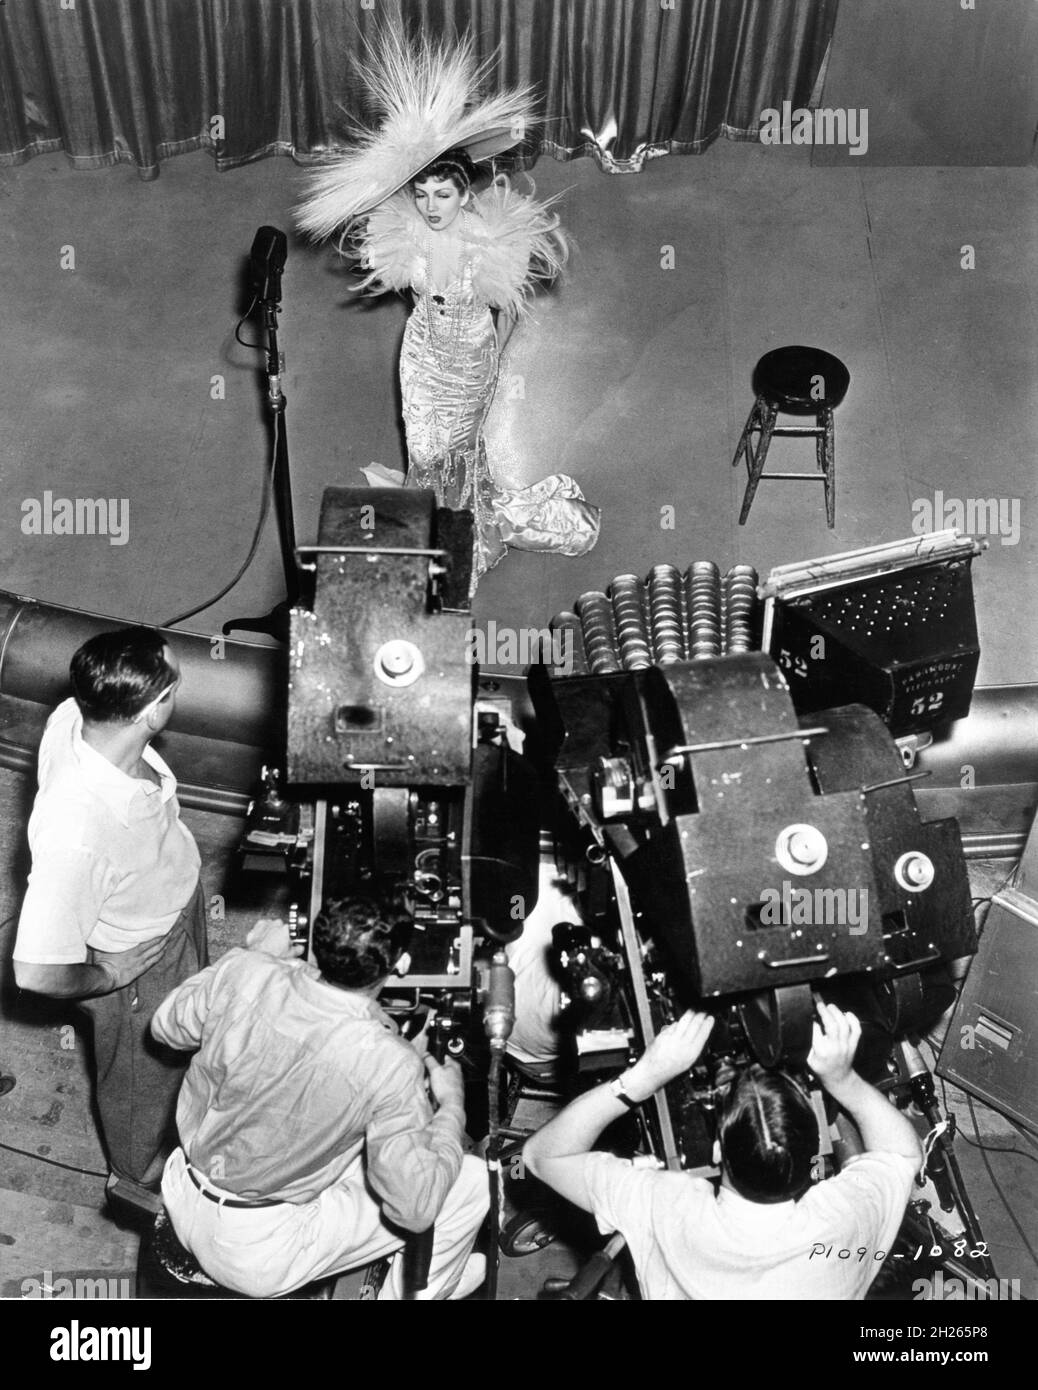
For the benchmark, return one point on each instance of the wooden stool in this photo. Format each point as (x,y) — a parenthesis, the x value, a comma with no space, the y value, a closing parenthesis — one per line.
(794,381)
(166,1270)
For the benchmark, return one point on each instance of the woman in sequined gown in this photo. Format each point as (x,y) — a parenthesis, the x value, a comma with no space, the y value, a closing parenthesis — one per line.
(466,258)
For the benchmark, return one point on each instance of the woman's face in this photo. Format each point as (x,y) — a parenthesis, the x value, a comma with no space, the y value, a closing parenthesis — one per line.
(439,202)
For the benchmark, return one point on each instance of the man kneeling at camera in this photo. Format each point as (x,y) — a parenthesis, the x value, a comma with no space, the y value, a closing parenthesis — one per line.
(309,1143)
(757,1236)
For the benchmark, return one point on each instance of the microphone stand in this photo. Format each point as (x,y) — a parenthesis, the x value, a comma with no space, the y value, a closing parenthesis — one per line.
(276,622)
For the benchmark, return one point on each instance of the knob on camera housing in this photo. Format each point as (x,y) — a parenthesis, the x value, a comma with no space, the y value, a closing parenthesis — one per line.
(914,871)
(801,849)
(398,663)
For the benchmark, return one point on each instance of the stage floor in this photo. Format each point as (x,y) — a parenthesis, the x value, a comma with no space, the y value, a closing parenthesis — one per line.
(123,381)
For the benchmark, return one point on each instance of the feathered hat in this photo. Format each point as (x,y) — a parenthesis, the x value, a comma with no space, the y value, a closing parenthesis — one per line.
(429,97)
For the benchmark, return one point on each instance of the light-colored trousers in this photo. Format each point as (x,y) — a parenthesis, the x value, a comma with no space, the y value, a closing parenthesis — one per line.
(267,1251)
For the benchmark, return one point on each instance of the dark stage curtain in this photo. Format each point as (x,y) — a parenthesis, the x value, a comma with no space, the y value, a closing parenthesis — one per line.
(137,81)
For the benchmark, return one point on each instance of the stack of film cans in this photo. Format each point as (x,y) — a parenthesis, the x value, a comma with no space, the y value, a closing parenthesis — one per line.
(703,606)
(628,595)
(665,615)
(740,604)
(596,623)
(670,617)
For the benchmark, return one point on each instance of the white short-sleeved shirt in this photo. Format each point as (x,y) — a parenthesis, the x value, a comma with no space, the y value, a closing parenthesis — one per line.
(534,1037)
(689,1242)
(113,866)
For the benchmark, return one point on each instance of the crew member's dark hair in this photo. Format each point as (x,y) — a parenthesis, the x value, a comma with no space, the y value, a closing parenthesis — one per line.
(116,674)
(359,938)
(452,164)
(769,1136)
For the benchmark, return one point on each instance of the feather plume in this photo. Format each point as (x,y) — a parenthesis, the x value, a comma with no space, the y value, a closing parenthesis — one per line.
(513,241)
(388,244)
(520,243)
(429,99)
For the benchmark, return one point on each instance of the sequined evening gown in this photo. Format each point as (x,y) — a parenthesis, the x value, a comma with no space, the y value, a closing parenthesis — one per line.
(449,360)
(448,372)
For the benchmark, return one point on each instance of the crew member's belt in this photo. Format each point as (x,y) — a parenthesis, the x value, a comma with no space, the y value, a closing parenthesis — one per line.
(231,1201)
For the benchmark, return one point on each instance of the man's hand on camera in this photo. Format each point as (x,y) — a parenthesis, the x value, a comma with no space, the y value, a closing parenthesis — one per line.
(834,1040)
(420,1039)
(126,966)
(672,1051)
(271,935)
(446,1083)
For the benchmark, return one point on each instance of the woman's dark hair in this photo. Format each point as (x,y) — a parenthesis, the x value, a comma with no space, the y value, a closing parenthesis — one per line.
(358,939)
(769,1137)
(452,164)
(116,674)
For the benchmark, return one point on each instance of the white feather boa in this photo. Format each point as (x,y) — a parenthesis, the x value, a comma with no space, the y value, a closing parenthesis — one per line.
(512,240)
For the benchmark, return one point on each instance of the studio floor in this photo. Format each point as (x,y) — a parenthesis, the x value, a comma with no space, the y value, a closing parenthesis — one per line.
(122,380)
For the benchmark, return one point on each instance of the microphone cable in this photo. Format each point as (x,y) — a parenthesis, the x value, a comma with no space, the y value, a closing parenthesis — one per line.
(268,487)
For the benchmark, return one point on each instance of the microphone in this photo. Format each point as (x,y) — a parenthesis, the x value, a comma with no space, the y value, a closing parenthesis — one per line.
(266,262)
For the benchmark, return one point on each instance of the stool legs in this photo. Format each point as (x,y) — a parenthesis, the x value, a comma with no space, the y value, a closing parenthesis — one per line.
(762,419)
(747,429)
(826,452)
(761,422)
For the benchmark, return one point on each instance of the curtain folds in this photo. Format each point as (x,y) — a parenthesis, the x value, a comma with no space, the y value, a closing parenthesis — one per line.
(137,81)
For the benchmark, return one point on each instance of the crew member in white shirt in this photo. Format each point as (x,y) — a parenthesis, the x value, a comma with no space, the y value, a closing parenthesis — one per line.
(763,1233)
(114,915)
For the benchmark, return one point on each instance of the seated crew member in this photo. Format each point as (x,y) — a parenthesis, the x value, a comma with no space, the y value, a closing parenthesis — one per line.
(304,1117)
(758,1236)
(114,916)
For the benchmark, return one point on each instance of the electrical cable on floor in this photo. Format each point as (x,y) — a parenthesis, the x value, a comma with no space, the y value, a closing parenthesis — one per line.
(997,1186)
(1009,880)
(54,1162)
(997,1148)
(1025,1133)
(977,1143)
(268,481)
(989,898)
